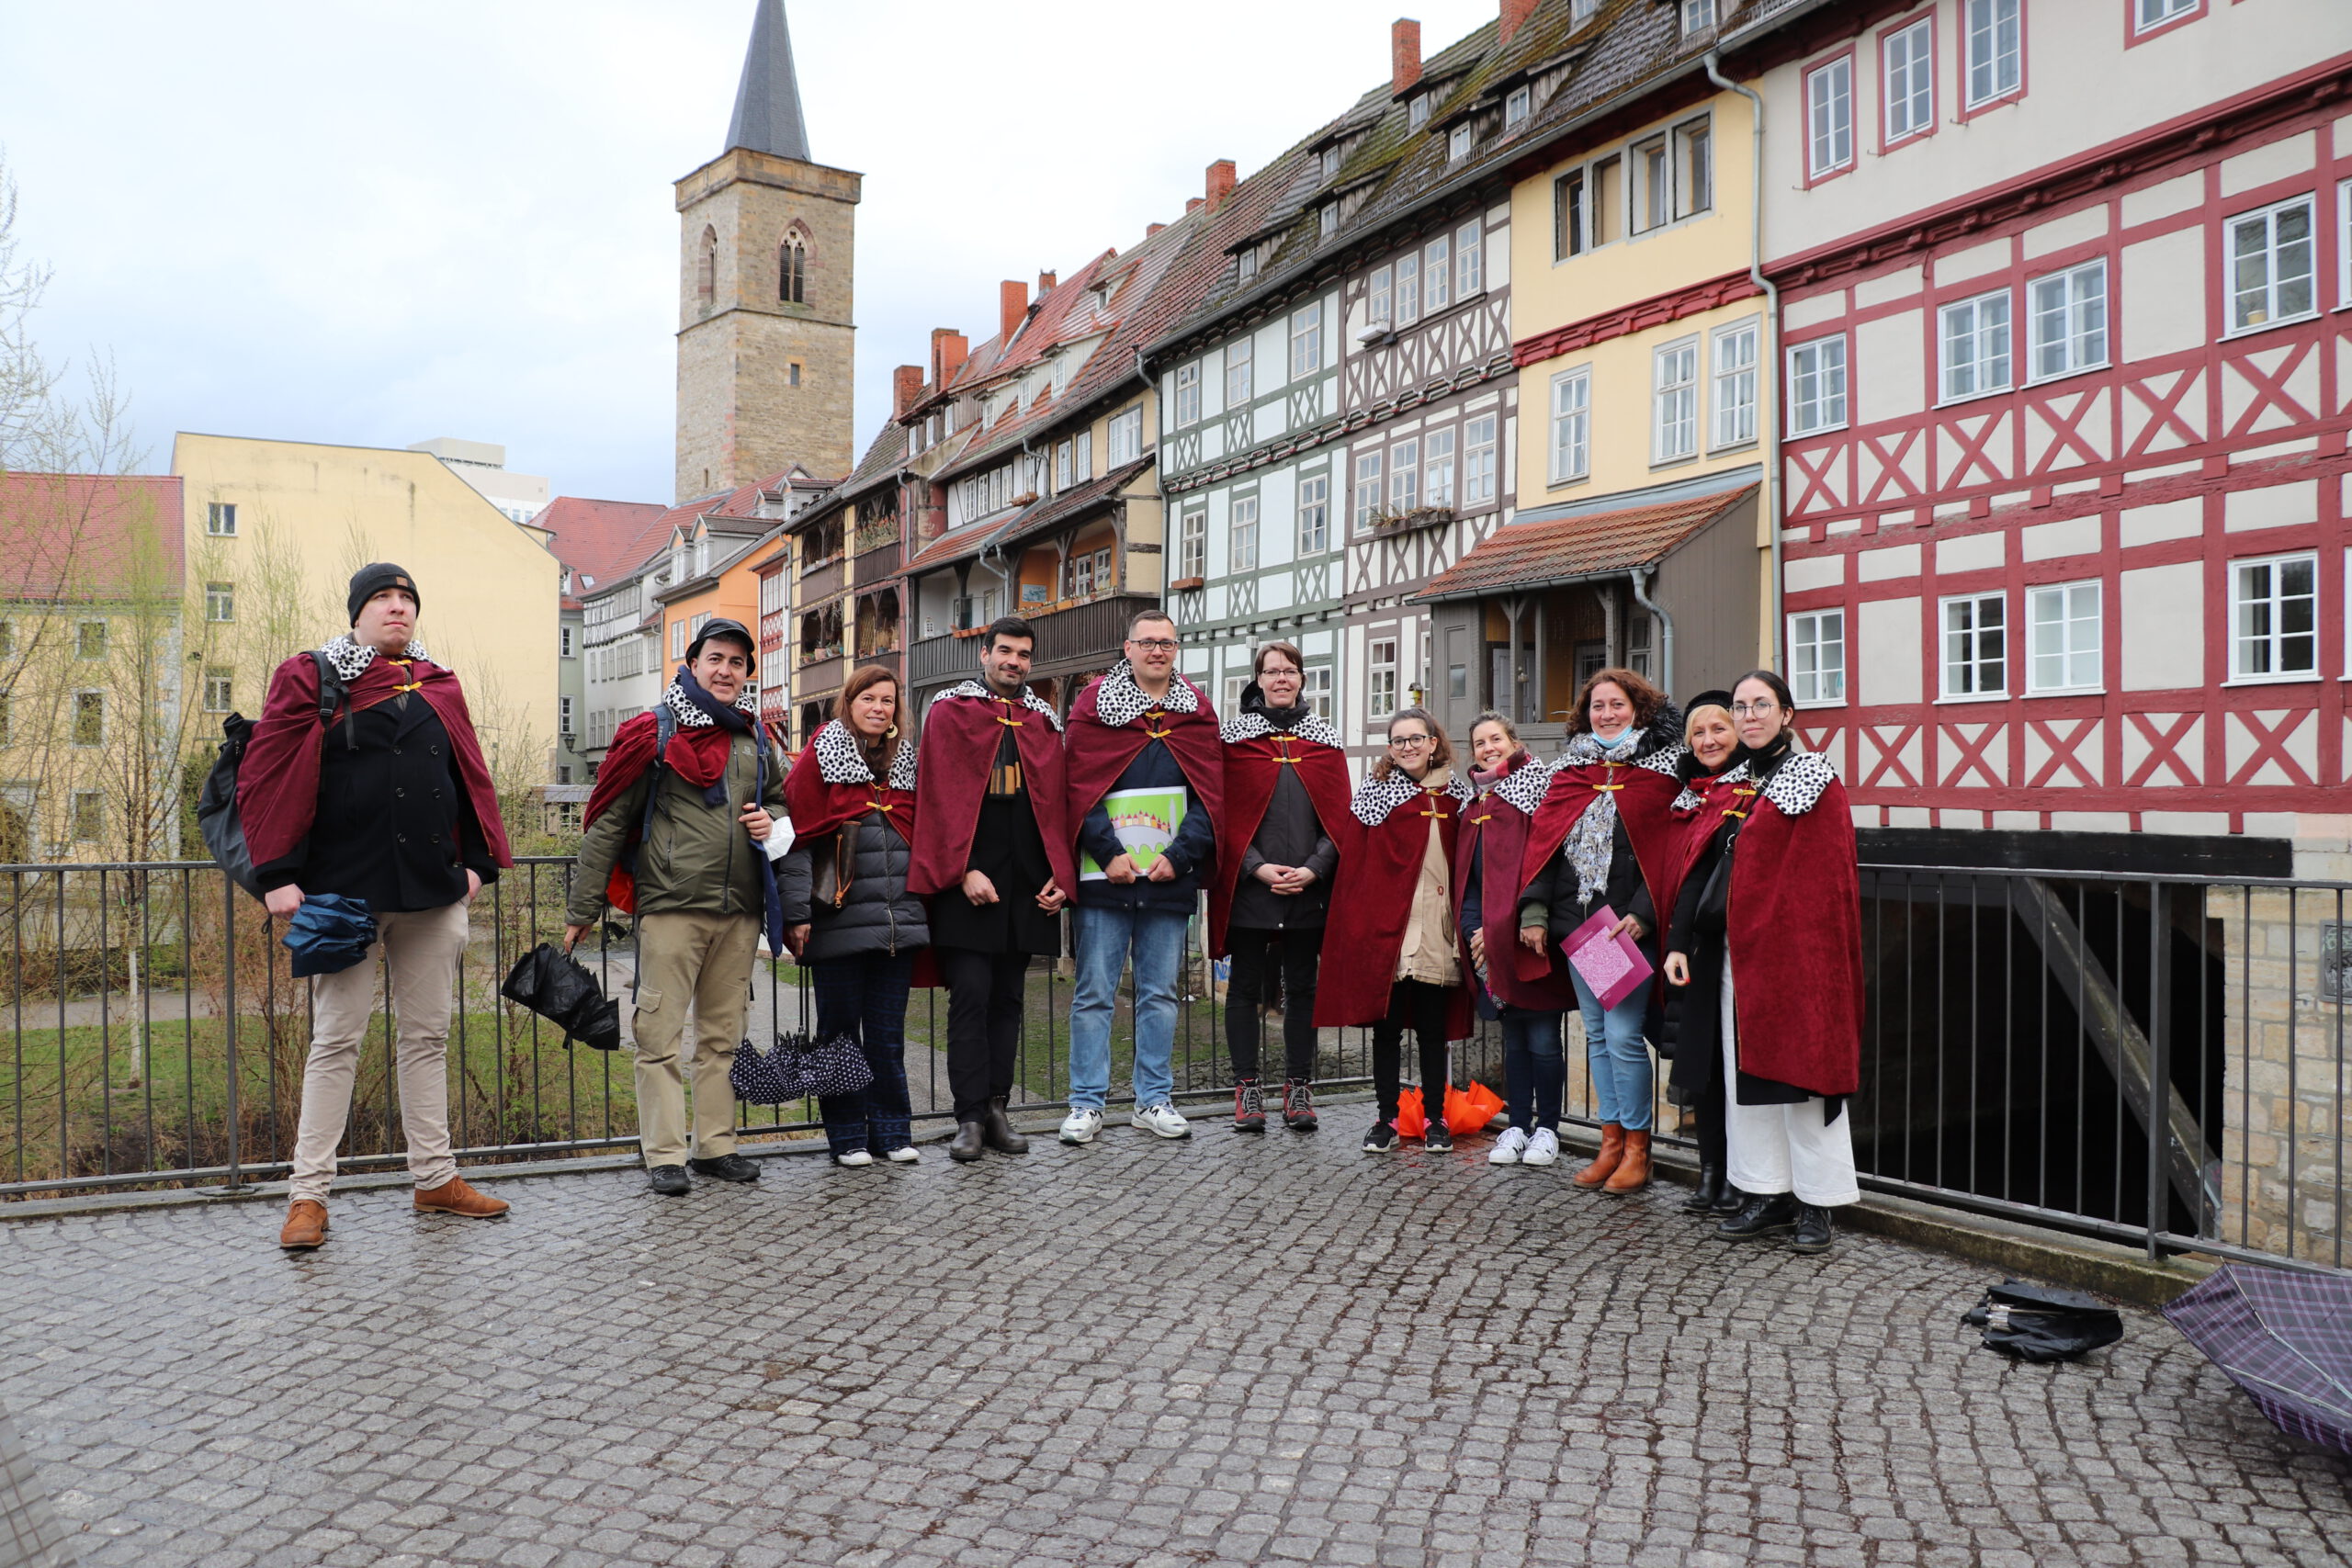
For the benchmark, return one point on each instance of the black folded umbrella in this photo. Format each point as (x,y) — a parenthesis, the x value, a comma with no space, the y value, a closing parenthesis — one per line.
(2043,1323)
(554,985)
(2283,1336)
(329,934)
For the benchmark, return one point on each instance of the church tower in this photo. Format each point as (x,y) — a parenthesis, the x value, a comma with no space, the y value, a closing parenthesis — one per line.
(765,339)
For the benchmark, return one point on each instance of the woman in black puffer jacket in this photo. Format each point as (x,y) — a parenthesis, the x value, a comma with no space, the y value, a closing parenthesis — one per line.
(849,916)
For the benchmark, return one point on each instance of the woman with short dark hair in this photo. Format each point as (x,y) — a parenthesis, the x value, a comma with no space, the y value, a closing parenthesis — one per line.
(1716,794)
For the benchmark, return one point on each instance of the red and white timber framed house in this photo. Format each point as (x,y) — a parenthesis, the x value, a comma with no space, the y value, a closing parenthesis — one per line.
(2066,311)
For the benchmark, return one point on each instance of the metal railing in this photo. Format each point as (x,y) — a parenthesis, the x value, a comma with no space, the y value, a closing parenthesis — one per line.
(2159,1061)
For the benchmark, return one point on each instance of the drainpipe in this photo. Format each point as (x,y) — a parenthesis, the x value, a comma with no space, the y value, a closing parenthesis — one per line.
(1772,435)
(1666,624)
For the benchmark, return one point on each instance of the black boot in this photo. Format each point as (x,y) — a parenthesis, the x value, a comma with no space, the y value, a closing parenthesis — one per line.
(1762,1216)
(1813,1229)
(1732,1202)
(1708,1193)
(996,1131)
(966,1146)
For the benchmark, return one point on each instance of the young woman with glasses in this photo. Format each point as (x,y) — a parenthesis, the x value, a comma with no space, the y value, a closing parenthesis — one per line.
(1391,916)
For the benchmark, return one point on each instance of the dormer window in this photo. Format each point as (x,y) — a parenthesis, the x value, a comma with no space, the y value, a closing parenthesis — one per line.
(1331,162)
(1245,265)
(1327,221)
(1417,113)
(1458,142)
(1698,16)
(1516,107)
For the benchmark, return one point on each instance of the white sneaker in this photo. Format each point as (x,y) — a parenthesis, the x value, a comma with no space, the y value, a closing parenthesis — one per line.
(1544,1148)
(1163,1119)
(855,1157)
(1080,1125)
(905,1155)
(1508,1149)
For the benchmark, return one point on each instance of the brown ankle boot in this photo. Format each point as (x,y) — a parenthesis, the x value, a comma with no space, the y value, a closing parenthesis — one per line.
(1604,1164)
(306,1227)
(454,1197)
(1633,1172)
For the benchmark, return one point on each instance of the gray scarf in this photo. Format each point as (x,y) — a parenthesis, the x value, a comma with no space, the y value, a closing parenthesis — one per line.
(1593,839)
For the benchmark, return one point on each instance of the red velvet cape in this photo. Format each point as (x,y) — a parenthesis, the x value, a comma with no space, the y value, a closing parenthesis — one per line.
(1501,829)
(959,744)
(697,754)
(1252,767)
(1696,827)
(1795,926)
(1372,902)
(278,782)
(1645,805)
(818,808)
(1098,753)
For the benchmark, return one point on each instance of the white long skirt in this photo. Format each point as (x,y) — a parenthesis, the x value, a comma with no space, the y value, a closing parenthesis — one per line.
(1784,1149)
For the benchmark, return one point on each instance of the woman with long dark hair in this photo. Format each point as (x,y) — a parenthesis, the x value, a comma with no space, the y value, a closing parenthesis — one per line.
(1791,1010)
(848,916)
(1488,877)
(1392,916)
(1287,799)
(1714,800)
(1602,840)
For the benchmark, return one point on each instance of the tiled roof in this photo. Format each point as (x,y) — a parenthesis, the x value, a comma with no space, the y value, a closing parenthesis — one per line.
(1038,516)
(1563,550)
(952,545)
(732,509)
(600,540)
(85,536)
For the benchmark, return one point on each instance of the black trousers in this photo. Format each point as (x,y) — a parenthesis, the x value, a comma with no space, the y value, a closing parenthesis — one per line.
(1256,952)
(984,992)
(1422,1006)
(1714,1148)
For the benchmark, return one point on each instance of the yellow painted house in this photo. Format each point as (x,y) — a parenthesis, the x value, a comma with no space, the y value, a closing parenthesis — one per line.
(276,528)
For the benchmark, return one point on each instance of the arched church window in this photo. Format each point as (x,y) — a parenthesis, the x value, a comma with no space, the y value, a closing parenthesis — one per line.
(707,267)
(792,272)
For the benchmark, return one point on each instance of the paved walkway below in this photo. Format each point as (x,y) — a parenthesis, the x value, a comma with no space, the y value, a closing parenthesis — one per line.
(1233,1350)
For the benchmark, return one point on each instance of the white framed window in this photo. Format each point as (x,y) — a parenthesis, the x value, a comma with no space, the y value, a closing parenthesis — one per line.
(1479,460)
(1314,515)
(1307,340)
(566,643)
(1580,11)
(90,639)
(1571,225)
(1653,169)
(1376,305)
(1238,369)
(221,519)
(2066,325)
(1975,338)
(220,601)
(1458,142)
(1733,392)
(1063,466)
(1674,401)
(1437,273)
(1409,288)
(1572,424)
(1188,394)
(2063,637)
(1242,535)
(563,723)
(1829,117)
(1404,476)
(2274,617)
(1327,220)
(1907,68)
(1698,16)
(1993,45)
(89,719)
(1437,469)
(1380,691)
(2271,265)
(1695,167)
(1416,112)
(1233,685)
(1192,544)
(1516,107)
(219,691)
(1817,657)
(1817,386)
(1314,690)
(89,823)
(1976,646)
(1126,443)
(1469,260)
(1081,453)
(1332,163)
(1367,498)
(2148,15)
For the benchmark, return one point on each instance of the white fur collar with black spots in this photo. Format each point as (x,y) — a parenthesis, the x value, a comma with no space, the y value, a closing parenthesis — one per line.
(980,690)
(1797,784)
(682,708)
(1119,702)
(1691,799)
(1250,726)
(840,760)
(350,658)
(1524,786)
(1375,798)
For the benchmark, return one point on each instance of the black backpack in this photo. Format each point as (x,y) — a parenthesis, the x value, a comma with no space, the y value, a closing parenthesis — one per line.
(215,806)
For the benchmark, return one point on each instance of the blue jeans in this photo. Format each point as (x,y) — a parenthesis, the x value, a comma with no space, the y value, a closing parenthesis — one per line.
(1617,1056)
(1105,938)
(865,998)
(1534,1068)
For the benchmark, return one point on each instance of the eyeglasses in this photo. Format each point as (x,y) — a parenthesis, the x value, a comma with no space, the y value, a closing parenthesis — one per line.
(1155,644)
(1764,709)
(1407,742)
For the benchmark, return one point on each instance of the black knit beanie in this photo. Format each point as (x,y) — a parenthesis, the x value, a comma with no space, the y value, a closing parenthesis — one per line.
(373,579)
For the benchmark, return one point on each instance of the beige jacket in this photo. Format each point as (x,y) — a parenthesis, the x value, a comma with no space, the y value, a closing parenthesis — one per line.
(1427,953)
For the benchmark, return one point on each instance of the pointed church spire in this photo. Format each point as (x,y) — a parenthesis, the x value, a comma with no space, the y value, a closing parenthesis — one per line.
(767,104)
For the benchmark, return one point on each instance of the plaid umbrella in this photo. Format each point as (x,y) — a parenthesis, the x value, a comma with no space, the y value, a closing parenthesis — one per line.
(2283,1336)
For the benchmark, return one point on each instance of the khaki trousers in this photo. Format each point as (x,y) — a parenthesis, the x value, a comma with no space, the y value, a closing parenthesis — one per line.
(420,948)
(705,960)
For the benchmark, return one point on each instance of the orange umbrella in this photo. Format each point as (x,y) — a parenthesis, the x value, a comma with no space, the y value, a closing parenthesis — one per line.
(1465,1111)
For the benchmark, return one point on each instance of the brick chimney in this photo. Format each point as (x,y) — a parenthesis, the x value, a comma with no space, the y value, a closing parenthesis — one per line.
(1046,281)
(1012,304)
(1515,14)
(906,388)
(949,349)
(1220,181)
(1404,55)
(1151,229)
(1194,205)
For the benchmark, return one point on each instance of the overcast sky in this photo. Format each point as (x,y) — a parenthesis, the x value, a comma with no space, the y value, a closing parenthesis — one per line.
(375,223)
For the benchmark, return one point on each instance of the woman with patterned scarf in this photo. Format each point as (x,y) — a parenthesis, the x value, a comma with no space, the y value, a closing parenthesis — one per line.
(1602,838)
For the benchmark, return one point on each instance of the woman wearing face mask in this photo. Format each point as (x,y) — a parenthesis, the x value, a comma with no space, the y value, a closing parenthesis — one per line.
(1714,803)
(1392,916)
(1286,798)
(849,916)
(1487,859)
(1791,1017)
(1603,837)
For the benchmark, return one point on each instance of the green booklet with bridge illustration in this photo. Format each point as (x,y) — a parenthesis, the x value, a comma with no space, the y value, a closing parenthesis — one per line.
(1146,821)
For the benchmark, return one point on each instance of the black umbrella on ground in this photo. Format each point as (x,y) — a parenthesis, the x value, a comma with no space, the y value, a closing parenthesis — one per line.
(2285,1339)
(553,984)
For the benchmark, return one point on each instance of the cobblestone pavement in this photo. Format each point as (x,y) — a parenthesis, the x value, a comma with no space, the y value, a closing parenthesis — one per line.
(1227,1352)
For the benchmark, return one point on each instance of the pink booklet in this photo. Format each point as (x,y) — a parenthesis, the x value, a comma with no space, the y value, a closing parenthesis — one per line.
(1612,966)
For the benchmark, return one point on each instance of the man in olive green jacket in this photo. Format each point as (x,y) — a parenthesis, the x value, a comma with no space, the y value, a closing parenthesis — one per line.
(700,876)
